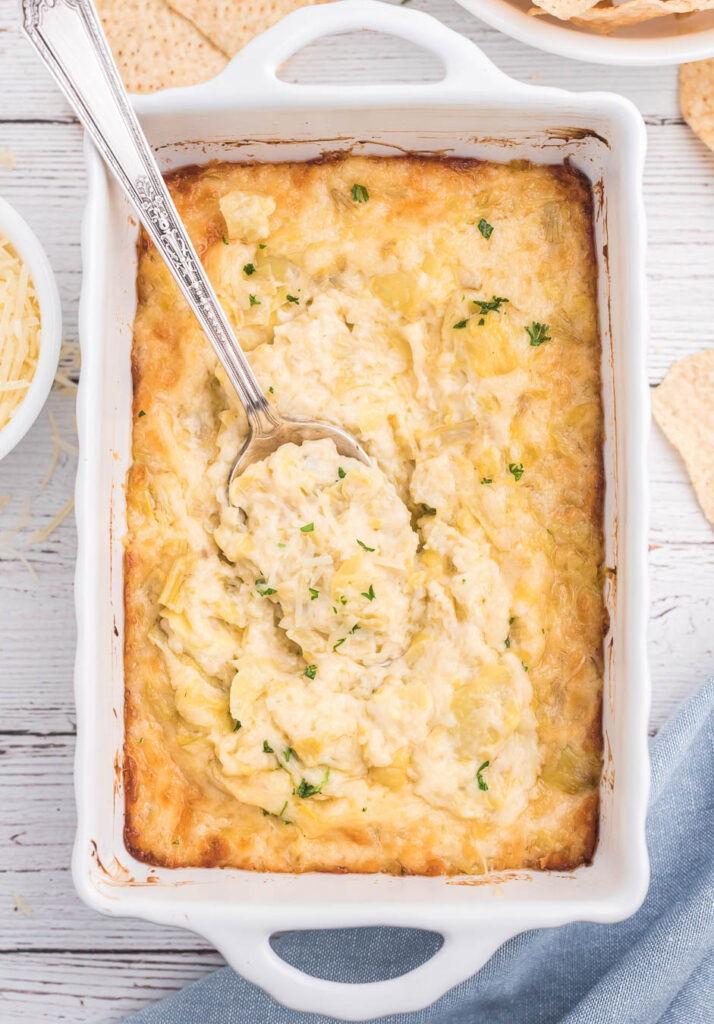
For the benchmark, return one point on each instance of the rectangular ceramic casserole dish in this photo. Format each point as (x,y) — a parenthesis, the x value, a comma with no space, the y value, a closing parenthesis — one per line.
(247,113)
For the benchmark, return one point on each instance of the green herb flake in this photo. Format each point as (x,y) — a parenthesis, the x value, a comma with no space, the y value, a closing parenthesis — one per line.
(248,269)
(485,228)
(261,245)
(343,599)
(237,726)
(461,324)
(482,784)
(507,642)
(359,194)
(266,814)
(364,809)
(287,754)
(225,240)
(176,842)
(281,544)
(370,594)
(267,748)
(486,480)
(306,789)
(314,594)
(261,585)
(253,301)
(293,298)
(339,643)
(363,545)
(494,306)
(141,413)
(341,473)
(538,333)
(516,469)
(311,671)
(428,510)
(308,528)
(525,667)
(271,390)
(355,627)
(140,740)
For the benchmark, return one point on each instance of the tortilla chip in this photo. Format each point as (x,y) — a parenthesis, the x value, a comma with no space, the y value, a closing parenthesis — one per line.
(683,405)
(605,18)
(696,96)
(154,47)
(230,24)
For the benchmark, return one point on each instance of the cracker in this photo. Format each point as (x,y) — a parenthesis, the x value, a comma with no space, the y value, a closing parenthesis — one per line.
(154,47)
(683,405)
(230,24)
(696,96)
(606,18)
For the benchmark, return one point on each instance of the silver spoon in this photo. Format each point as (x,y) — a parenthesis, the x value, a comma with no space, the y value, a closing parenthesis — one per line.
(69,38)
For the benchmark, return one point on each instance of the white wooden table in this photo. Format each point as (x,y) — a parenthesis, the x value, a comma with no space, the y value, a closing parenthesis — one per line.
(58,960)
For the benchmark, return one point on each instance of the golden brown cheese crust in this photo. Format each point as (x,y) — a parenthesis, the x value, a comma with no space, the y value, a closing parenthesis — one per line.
(180,808)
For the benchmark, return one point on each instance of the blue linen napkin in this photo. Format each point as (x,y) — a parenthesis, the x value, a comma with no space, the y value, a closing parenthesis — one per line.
(656,967)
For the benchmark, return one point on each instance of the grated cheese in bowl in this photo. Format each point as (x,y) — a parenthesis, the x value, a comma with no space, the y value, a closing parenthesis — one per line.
(19,331)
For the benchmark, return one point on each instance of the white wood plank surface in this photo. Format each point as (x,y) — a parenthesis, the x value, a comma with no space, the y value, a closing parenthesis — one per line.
(58,960)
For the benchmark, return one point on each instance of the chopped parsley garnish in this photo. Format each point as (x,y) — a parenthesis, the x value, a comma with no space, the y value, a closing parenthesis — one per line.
(486,480)
(507,642)
(308,528)
(267,748)
(364,809)
(253,301)
(343,599)
(493,306)
(293,298)
(287,754)
(511,620)
(237,726)
(271,390)
(525,667)
(428,510)
(314,594)
(311,671)
(370,594)
(485,228)
(461,324)
(141,413)
(261,245)
(516,469)
(538,333)
(359,194)
(363,545)
(140,740)
(339,643)
(261,585)
(482,784)
(306,789)
(355,627)
(341,473)
(248,269)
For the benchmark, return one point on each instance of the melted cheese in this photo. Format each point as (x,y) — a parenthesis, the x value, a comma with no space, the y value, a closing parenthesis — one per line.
(394,667)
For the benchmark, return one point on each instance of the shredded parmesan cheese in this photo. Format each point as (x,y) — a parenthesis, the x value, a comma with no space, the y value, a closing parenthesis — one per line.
(39,535)
(19,331)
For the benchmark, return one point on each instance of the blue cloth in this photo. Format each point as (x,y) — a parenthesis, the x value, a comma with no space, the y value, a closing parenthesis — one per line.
(656,967)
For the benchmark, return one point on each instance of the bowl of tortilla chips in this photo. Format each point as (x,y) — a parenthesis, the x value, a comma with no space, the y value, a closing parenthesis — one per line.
(634,32)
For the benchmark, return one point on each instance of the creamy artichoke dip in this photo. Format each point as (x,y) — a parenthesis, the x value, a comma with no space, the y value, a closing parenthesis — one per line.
(394,667)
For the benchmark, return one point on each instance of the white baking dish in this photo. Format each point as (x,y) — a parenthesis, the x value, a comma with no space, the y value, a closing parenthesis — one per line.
(247,113)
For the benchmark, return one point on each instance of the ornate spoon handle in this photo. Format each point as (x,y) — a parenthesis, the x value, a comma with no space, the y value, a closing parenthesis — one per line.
(68,36)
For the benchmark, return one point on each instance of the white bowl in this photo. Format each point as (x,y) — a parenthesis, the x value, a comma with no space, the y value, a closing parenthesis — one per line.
(28,248)
(669,40)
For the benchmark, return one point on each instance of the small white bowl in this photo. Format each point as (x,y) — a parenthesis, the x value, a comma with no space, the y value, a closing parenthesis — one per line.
(667,40)
(28,248)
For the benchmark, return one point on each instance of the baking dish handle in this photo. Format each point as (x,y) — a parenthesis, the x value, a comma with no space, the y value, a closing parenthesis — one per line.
(251,955)
(260,60)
